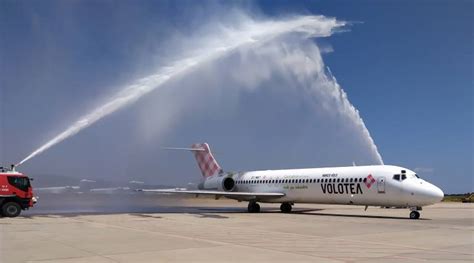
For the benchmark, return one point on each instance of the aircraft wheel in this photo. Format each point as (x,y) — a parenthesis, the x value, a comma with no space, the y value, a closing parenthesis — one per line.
(11,209)
(253,207)
(285,207)
(414,215)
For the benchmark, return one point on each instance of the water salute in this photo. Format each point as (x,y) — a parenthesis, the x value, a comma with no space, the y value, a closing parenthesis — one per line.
(236,131)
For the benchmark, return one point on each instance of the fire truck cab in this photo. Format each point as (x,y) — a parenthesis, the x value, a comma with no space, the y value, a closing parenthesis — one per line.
(16,193)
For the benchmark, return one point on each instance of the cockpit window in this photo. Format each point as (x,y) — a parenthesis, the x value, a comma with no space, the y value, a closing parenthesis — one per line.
(404,177)
(417,176)
(396,177)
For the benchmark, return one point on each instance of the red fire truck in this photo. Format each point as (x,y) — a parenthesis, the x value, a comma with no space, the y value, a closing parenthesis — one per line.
(16,193)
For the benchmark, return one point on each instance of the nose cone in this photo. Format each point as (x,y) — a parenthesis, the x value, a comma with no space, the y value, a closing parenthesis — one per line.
(437,194)
(427,194)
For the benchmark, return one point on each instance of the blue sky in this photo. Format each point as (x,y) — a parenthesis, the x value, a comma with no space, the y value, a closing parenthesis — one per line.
(407,66)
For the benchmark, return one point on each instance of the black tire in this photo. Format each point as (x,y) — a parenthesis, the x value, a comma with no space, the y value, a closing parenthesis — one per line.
(285,208)
(11,209)
(253,207)
(414,215)
(257,208)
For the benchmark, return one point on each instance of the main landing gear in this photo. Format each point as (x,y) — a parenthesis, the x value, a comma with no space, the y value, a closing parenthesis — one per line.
(253,207)
(285,207)
(414,214)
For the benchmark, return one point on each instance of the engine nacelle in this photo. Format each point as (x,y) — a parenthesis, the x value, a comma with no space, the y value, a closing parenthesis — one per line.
(220,183)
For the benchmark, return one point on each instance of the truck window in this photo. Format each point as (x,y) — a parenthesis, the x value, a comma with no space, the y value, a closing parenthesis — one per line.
(19,182)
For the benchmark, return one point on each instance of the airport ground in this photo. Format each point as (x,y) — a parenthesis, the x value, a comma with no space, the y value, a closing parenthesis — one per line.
(203,230)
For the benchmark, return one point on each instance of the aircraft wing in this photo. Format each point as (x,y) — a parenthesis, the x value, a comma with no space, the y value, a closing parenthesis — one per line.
(217,194)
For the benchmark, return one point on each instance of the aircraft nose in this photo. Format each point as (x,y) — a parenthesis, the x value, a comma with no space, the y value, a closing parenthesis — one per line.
(430,194)
(437,194)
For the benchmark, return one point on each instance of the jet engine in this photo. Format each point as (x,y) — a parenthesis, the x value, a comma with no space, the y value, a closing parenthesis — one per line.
(220,183)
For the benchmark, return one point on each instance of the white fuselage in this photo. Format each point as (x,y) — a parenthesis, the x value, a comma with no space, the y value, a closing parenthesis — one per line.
(375,185)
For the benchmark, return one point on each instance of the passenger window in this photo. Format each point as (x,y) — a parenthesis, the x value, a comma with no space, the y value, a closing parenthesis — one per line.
(318,181)
(365,180)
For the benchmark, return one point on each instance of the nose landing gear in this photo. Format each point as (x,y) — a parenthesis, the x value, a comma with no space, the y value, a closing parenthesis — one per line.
(414,214)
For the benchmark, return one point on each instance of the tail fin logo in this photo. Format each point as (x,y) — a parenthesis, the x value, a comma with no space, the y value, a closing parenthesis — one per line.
(205,160)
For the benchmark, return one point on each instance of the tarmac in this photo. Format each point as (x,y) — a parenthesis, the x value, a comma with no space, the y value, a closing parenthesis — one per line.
(202,230)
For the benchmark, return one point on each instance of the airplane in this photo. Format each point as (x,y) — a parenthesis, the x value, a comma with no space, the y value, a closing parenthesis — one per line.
(373,185)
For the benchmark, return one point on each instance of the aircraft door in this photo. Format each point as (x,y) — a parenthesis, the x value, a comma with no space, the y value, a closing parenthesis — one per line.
(381,185)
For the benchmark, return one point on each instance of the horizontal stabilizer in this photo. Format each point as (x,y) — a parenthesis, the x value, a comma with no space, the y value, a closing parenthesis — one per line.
(185,149)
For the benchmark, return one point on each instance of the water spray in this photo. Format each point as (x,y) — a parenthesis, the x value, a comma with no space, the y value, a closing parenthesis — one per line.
(248,35)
